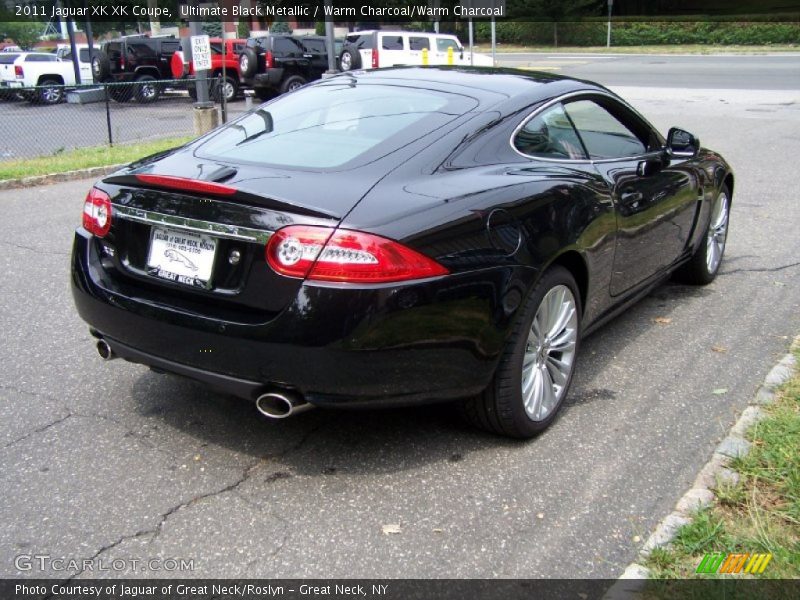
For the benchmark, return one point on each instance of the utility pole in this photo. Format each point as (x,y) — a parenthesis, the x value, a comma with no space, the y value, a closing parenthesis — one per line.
(610,7)
(330,46)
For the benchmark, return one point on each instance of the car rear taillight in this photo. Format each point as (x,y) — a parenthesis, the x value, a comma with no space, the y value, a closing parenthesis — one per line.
(375,58)
(325,254)
(97,212)
(18,72)
(269,60)
(187,185)
(122,62)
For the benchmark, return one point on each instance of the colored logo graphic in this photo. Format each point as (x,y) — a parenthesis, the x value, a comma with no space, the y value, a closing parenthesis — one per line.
(720,562)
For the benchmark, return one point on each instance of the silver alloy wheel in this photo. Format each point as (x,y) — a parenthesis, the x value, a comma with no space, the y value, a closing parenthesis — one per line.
(148,91)
(549,353)
(294,86)
(51,95)
(717,233)
(227,89)
(346,62)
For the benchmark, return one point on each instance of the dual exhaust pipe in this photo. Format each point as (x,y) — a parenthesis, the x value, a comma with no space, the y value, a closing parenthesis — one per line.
(276,404)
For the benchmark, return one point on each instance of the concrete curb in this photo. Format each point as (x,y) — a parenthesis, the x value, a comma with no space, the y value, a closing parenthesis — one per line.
(714,473)
(10,184)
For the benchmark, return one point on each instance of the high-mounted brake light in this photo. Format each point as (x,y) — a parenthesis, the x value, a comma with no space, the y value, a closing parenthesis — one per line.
(18,72)
(375,58)
(97,212)
(187,185)
(269,60)
(325,254)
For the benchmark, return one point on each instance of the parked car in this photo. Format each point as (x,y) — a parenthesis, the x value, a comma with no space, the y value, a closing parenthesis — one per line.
(276,63)
(399,236)
(182,67)
(37,76)
(135,59)
(11,48)
(379,48)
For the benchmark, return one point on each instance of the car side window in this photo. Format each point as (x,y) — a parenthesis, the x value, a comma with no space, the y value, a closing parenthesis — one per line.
(41,58)
(419,43)
(550,135)
(314,46)
(603,134)
(443,44)
(392,42)
(169,48)
(286,46)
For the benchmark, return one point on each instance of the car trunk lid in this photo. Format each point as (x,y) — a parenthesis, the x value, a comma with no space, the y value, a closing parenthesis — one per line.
(191,235)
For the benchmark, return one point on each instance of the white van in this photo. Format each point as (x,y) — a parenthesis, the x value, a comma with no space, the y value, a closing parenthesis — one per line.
(375,49)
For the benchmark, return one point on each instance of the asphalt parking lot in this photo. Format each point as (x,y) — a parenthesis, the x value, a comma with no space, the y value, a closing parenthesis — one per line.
(109,460)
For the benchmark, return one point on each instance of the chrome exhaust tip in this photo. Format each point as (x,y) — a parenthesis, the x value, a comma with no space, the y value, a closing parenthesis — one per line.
(281,405)
(105,351)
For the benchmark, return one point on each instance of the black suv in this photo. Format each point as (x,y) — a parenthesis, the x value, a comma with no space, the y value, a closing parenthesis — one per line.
(275,64)
(135,58)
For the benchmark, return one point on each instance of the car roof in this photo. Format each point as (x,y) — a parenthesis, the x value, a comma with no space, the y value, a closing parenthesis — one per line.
(527,86)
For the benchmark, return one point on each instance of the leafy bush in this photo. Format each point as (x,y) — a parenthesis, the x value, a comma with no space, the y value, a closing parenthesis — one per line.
(642,33)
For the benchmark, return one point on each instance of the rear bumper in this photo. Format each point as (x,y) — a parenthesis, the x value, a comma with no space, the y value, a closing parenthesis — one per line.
(423,342)
(270,79)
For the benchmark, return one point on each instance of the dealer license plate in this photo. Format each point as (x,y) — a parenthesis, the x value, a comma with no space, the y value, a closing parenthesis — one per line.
(186,258)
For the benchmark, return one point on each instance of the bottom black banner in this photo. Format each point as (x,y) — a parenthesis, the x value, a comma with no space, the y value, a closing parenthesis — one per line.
(398,589)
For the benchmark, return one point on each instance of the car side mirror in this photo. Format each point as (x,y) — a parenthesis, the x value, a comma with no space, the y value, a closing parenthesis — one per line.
(682,143)
(461,52)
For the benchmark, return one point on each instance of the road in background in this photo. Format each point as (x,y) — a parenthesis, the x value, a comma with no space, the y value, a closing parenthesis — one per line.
(732,72)
(109,460)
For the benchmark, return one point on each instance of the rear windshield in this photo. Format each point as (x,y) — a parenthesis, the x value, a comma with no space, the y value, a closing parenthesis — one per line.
(6,58)
(328,126)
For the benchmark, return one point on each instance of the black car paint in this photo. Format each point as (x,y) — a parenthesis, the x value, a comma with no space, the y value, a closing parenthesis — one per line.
(461,195)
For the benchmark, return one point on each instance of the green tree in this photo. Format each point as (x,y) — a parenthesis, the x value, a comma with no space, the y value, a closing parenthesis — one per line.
(556,10)
(280,27)
(24,34)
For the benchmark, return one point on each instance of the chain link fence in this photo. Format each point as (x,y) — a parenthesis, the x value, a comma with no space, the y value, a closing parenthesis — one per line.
(48,120)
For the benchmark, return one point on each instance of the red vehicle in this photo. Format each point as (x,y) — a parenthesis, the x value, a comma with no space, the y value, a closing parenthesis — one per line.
(182,67)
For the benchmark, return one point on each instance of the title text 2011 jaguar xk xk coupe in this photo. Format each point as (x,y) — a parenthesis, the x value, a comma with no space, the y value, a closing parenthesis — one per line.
(398,236)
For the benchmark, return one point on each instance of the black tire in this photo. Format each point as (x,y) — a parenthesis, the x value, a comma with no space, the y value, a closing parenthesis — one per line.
(101,67)
(147,91)
(49,91)
(700,270)
(350,59)
(232,87)
(291,83)
(192,89)
(500,408)
(248,63)
(120,92)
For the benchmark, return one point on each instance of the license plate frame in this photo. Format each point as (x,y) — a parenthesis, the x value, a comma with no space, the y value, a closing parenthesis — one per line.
(183,257)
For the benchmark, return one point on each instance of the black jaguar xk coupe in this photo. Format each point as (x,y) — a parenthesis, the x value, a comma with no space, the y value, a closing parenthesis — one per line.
(399,236)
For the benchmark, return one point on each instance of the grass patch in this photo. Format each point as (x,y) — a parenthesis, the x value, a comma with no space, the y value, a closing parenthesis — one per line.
(678,49)
(84,158)
(759,514)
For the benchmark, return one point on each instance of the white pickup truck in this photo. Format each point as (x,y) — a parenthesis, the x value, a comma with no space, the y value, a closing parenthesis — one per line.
(38,76)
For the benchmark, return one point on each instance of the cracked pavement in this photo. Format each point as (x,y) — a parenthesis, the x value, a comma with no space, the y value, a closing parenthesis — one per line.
(109,460)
